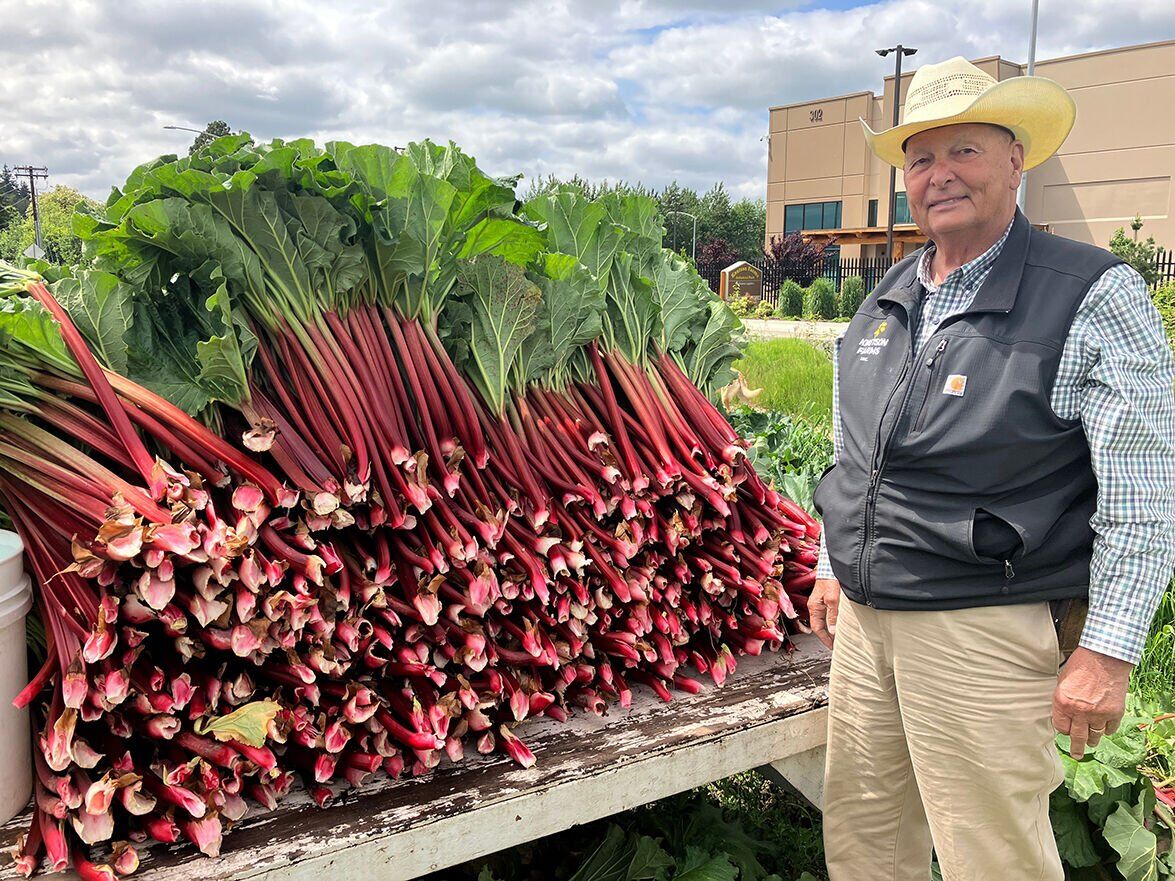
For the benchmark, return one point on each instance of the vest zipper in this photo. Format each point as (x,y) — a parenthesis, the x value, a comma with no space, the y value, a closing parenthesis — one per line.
(879,454)
(931,362)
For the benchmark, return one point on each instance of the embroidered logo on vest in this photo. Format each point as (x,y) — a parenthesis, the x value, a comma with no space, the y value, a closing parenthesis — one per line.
(867,346)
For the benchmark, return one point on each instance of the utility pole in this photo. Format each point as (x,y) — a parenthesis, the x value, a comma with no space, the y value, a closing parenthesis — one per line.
(1022,193)
(34,173)
(899,50)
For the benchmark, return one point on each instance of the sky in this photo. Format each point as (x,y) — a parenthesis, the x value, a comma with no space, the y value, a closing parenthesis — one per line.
(640,90)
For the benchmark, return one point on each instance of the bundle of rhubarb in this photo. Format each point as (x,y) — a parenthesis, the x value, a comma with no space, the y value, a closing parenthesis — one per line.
(335,461)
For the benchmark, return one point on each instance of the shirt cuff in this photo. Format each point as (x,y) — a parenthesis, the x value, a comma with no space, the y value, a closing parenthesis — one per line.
(823,563)
(1119,635)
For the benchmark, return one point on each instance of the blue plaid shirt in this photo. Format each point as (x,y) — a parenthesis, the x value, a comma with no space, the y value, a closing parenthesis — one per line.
(1116,373)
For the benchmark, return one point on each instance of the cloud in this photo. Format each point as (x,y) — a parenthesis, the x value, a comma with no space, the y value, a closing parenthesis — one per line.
(640,90)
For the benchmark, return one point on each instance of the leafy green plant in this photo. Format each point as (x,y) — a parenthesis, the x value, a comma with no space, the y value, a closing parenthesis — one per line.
(791,299)
(740,306)
(1115,808)
(820,300)
(791,451)
(1140,255)
(1155,673)
(1164,300)
(852,295)
(764,310)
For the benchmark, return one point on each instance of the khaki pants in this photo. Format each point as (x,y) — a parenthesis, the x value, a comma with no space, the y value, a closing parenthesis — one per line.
(940,734)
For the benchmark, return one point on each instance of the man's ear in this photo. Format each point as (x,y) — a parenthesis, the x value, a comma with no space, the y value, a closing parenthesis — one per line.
(1017,163)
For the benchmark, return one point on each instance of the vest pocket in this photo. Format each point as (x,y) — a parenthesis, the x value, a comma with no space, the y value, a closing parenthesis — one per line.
(932,364)
(994,539)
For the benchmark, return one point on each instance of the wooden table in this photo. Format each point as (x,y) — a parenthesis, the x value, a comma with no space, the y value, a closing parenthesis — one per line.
(770,712)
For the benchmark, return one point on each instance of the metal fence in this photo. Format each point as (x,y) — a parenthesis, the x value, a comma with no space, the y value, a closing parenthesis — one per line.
(804,272)
(1164,266)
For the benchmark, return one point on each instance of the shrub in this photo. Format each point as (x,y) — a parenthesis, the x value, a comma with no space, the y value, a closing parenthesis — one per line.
(740,306)
(820,300)
(791,300)
(1140,255)
(852,294)
(1164,299)
(764,310)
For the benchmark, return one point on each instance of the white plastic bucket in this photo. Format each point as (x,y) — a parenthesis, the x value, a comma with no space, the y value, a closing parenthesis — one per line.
(16,598)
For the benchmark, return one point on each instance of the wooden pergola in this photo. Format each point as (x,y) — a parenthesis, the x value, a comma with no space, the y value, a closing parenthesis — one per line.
(905,235)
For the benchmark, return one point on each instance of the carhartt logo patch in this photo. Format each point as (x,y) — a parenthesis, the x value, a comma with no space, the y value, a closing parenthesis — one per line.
(955,385)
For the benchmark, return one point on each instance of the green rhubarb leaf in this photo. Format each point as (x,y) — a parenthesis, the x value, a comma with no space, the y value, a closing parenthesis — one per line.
(609,860)
(258,221)
(248,724)
(676,292)
(650,861)
(701,865)
(28,332)
(1137,846)
(569,316)
(188,344)
(575,225)
(102,307)
(192,234)
(1126,748)
(631,309)
(503,306)
(708,359)
(15,388)
(324,239)
(512,240)
(1089,777)
(1072,831)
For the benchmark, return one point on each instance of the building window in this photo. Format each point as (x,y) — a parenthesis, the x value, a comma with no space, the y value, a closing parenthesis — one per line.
(901,210)
(793,218)
(811,215)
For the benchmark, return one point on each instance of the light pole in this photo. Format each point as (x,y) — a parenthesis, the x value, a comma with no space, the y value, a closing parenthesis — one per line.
(694,248)
(899,51)
(184,128)
(1022,193)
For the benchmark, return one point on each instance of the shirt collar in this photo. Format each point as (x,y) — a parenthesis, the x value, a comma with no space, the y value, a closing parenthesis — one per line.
(972,270)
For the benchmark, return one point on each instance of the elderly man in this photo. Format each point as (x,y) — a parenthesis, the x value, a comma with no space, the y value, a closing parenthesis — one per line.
(1005,460)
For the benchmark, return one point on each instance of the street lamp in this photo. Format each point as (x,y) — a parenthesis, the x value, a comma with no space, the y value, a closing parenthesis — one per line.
(694,248)
(1022,193)
(900,51)
(184,128)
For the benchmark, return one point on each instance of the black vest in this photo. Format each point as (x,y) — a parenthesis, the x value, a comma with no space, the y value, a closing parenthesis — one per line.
(957,485)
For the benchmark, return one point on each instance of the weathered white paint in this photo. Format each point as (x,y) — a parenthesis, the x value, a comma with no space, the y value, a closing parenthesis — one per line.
(587,769)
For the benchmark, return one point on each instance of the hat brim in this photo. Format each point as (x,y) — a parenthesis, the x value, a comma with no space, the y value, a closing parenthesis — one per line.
(1038,111)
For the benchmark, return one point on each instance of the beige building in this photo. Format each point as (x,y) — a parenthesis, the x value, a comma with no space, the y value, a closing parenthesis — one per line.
(1117,162)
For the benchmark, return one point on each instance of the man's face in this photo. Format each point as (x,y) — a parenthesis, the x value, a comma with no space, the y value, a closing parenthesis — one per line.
(962,177)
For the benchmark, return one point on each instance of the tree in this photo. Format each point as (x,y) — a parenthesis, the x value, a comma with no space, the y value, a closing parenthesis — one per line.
(1140,255)
(56,208)
(14,198)
(717,253)
(748,226)
(794,247)
(218,128)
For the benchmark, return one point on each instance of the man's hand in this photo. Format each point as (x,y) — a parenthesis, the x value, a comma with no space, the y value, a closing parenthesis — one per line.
(823,606)
(1090,699)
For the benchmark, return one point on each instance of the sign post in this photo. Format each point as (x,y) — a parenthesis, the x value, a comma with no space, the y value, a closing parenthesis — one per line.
(741,280)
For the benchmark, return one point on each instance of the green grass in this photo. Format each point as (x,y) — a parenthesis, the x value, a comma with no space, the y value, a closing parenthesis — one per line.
(1154,677)
(796,376)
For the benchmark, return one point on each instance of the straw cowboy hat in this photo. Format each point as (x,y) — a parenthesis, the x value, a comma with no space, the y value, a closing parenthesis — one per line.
(1038,111)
